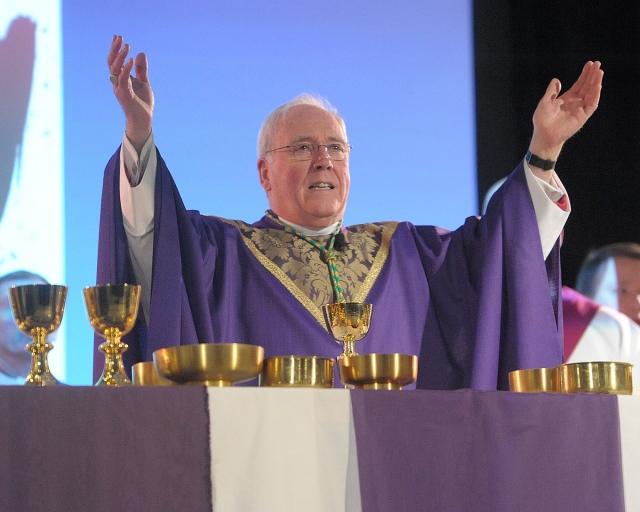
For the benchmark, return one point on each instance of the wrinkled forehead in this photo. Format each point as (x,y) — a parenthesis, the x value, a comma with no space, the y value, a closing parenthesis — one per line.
(307,122)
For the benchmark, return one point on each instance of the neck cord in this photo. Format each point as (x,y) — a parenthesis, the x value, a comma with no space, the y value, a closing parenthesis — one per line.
(327,252)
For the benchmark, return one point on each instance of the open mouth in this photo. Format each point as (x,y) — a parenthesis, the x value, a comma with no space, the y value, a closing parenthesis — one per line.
(321,186)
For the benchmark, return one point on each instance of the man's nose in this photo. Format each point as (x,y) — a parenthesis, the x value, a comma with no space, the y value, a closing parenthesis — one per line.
(321,158)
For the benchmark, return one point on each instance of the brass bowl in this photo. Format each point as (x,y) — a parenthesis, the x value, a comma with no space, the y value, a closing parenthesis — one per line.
(297,372)
(535,380)
(378,371)
(145,374)
(596,377)
(209,364)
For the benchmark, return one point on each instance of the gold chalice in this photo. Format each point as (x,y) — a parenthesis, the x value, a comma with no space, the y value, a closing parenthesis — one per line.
(348,322)
(38,309)
(112,310)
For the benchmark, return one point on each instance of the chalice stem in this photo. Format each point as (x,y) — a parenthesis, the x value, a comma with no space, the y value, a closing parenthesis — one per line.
(113,373)
(349,345)
(39,375)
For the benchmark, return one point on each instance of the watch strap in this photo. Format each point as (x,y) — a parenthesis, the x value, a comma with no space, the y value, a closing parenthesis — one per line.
(536,161)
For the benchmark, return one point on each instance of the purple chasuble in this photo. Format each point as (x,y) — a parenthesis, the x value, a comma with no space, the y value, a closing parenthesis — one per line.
(473,304)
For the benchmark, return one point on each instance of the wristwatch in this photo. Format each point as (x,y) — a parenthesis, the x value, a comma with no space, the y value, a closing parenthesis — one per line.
(536,161)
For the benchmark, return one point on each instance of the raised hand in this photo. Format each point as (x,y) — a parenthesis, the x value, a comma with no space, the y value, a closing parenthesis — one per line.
(134,93)
(557,118)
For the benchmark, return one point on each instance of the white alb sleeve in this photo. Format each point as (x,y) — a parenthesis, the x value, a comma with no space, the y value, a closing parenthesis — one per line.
(551,218)
(137,201)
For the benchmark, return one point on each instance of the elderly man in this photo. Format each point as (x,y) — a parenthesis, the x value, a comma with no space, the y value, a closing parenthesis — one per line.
(473,304)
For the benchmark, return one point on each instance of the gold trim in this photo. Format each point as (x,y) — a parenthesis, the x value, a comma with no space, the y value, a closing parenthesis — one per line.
(281,276)
(389,228)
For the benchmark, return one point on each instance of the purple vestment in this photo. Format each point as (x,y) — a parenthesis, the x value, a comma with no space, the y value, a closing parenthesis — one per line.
(473,304)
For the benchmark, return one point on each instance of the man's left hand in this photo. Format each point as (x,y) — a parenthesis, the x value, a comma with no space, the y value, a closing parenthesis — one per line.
(557,118)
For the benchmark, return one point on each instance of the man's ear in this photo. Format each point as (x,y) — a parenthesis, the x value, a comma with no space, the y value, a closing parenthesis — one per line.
(263,171)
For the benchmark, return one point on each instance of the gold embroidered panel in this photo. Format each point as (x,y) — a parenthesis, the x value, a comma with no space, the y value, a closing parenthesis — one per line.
(301,269)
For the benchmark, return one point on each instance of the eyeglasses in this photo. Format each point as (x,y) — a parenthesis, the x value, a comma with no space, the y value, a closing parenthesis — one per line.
(304,150)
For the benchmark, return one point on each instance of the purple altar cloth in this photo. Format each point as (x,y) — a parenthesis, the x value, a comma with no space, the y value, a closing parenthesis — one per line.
(113,464)
(537,451)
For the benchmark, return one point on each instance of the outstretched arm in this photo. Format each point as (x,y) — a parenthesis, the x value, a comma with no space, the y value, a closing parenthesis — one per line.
(558,117)
(137,159)
(133,93)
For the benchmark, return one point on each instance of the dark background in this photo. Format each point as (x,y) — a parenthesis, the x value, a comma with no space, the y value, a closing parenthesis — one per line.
(519,48)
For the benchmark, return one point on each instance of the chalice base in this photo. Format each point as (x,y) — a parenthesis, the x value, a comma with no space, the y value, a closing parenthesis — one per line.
(39,375)
(113,373)
(116,380)
(44,379)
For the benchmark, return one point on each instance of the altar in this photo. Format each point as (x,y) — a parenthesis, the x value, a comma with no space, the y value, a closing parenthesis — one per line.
(261,449)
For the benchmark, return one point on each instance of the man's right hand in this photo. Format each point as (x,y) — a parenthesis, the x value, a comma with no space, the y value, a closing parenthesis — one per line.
(133,93)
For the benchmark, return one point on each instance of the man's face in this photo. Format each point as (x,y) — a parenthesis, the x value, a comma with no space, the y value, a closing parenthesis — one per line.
(628,273)
(311,193)
(15,360)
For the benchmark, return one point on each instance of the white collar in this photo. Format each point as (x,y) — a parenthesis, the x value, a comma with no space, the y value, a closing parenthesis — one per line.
(329,230)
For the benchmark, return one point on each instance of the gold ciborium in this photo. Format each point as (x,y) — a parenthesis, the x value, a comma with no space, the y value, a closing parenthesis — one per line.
(209,364)
(378,371)
(297,372)
(145,374)
(535,380)
(348,322)
(112,310)
(609,377)
(38,309)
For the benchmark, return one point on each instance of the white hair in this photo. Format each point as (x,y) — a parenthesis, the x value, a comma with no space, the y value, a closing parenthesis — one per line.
(270,124)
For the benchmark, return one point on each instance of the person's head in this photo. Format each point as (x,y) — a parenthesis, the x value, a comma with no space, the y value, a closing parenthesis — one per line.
(15,360)
(303,162)
(610,275)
